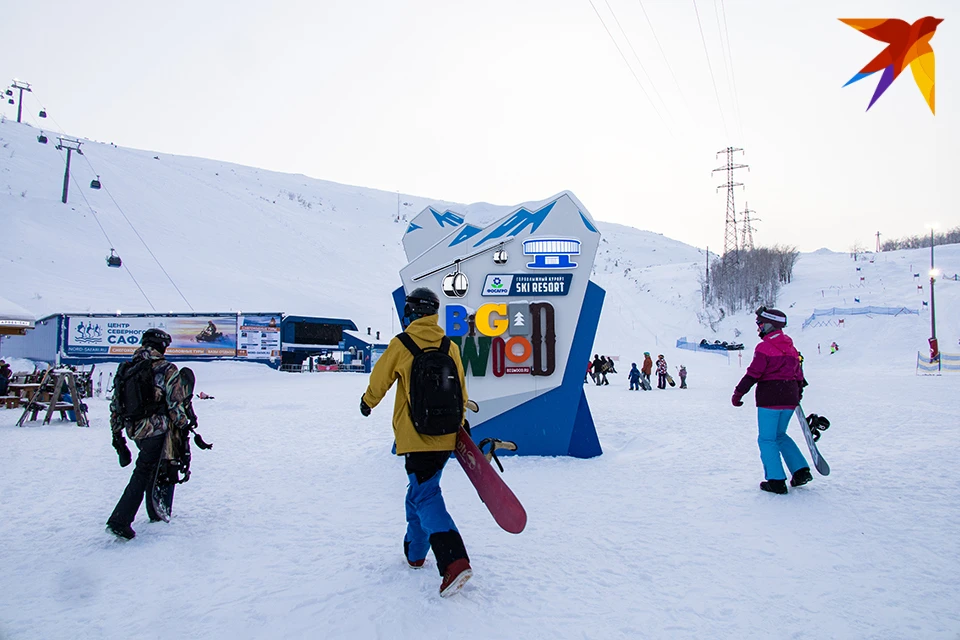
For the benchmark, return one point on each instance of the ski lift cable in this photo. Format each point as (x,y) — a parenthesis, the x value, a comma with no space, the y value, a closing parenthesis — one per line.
(150,251)
(92,211)
(127,268)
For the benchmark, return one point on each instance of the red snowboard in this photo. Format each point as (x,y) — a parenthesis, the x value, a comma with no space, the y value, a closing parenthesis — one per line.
(493,491)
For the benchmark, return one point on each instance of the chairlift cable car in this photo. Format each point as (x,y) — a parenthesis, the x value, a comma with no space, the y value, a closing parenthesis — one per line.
(42,139)
(10,101)
(43,113)
(113,260)
(9,92)
(95,184)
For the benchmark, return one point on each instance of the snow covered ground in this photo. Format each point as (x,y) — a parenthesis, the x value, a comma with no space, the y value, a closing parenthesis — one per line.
(292,525)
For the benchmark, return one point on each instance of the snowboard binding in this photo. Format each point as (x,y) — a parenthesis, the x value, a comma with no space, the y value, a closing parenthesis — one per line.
(817,425)
(495,444)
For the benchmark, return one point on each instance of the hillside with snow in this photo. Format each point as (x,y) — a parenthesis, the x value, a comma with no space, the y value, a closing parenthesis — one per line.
(292,525)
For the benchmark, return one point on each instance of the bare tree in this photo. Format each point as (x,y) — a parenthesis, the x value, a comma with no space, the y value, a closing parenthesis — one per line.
(856,250)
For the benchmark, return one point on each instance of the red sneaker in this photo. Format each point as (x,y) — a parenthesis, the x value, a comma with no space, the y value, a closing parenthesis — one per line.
(456,575)
(416,564)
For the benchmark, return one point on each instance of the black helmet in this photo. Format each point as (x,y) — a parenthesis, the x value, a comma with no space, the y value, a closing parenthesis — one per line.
(156,338)
(420,303)
(769,320)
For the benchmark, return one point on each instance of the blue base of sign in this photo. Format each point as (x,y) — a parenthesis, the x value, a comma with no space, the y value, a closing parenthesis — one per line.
(558,422)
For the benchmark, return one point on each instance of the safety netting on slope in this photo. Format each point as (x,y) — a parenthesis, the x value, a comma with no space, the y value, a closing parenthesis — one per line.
(858,311)
(943,362)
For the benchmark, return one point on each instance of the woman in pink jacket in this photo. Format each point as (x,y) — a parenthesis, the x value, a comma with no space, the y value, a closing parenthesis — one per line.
(776,372)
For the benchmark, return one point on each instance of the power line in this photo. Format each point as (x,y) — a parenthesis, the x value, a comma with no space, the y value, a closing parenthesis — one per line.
(627,62)
(733,76)
(712,79)
(662,52)
(639,62)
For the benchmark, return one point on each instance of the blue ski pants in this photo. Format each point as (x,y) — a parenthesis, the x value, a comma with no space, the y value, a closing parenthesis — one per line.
(428,523)
(774,443)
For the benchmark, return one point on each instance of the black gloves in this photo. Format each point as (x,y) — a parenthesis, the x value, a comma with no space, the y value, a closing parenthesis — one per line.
(120,444)
(364,409)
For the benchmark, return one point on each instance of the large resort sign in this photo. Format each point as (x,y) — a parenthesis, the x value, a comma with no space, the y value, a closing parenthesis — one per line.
(517,298)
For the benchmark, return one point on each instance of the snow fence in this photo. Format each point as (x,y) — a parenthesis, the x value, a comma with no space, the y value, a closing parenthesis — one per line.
(858,311)
(943,362)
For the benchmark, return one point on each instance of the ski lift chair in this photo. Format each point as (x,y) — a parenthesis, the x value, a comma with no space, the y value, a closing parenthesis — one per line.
(43,113)
(95,184)
(42,139)
(113,260)
(10,101)
(9,92)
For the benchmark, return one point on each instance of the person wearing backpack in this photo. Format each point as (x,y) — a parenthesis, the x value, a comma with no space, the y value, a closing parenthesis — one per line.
(147,401)
(427,413)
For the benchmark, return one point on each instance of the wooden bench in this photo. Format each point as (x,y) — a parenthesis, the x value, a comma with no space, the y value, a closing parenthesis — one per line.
(10,402)
(62,407)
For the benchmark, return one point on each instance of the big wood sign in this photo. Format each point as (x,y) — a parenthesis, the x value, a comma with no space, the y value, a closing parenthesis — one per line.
(516,296)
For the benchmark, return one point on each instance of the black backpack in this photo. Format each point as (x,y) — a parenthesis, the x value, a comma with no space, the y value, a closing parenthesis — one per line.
(436,397)
(135,390)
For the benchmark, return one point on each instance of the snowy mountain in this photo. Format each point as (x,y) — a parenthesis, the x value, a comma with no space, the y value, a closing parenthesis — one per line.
(292,525)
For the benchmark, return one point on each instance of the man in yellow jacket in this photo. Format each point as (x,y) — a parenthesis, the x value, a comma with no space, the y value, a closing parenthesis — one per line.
(428,523)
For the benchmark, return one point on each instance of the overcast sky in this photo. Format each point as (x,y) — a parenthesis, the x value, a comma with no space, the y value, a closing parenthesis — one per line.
(505,101)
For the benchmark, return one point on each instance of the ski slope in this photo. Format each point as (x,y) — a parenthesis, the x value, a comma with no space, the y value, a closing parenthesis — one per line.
(291,527)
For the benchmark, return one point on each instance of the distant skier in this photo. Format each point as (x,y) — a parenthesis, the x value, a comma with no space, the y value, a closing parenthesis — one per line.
(683,377)
(779,378)
(646,370)
(428,523)
(661,372)
(634,377)
(589,372)
(597,368)
(834,348)
(149,432)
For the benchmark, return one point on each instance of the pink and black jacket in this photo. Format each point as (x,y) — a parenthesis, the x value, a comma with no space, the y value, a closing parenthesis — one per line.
(776,371)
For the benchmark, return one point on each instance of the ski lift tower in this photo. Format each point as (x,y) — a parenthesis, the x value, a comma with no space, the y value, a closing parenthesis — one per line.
(71,145)
(21,86)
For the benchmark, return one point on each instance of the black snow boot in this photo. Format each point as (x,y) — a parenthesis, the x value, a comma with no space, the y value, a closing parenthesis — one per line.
(121,531)
(801,477)
(774,486)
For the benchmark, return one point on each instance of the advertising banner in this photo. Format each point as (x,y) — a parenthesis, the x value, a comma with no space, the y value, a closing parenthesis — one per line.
(258,336)
(120,335)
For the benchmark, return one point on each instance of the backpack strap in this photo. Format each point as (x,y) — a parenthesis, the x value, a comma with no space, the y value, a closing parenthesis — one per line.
(444,345)
(408,342)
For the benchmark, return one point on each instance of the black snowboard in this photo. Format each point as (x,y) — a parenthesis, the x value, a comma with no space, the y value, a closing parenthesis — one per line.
(818,462)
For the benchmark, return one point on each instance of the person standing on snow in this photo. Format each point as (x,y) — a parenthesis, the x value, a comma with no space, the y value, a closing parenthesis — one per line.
(646,370)
(428,523)
(779,378)
(634,377)
(683,377)
(661,372)
(597,369)
(149,433)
